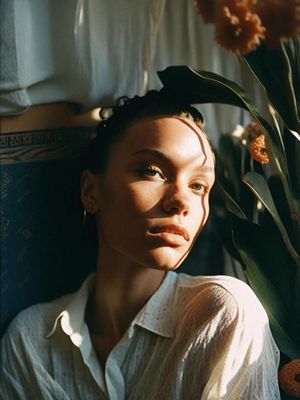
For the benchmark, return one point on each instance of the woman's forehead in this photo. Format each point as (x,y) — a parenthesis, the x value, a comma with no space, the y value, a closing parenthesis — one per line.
(174,137)
(166,130)
(154,127)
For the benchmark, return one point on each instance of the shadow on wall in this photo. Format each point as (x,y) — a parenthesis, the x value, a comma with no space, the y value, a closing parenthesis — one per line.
(44,252)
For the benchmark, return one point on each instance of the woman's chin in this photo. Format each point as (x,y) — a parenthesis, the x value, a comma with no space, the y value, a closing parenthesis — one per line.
(165,258)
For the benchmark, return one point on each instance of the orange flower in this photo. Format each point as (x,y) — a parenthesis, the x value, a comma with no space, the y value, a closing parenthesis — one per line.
(252,130)
(281,19)
(207,9)
(289,378)
(258,150)
(238,29)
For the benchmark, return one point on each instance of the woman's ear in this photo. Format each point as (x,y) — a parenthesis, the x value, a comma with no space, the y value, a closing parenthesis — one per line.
(89,191)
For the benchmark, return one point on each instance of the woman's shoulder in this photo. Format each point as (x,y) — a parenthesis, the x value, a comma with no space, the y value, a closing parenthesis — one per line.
(219,309)
(220,292)
(40,318)
(234,286)
(222,326)
(36,320)
(226,281)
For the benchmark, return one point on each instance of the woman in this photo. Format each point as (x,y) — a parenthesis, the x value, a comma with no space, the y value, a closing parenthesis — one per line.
(136,329)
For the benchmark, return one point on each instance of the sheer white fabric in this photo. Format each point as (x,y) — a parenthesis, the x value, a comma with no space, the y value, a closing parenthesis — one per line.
(90,52)
(202,338)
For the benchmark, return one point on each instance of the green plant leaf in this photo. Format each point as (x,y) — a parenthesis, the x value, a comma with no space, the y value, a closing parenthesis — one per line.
(208,87)
(268,297)
(229,157)
(280,201)
(259,186)
(292,145)
(270,278)
(284,342)
(296,135)
(259,243)
(231,204)
(273,69)
(203,86)
(292,48)
(224,231)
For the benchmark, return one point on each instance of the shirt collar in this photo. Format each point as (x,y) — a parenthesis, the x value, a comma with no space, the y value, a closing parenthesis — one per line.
(157,316)
(72,317)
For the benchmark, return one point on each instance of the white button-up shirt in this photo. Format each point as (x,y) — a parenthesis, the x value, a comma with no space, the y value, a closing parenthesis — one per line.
(198,338)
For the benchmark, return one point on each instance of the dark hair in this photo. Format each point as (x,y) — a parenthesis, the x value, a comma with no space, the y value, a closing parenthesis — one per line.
(124,114)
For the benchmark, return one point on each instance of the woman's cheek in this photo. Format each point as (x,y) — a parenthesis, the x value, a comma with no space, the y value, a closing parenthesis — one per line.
(144,196)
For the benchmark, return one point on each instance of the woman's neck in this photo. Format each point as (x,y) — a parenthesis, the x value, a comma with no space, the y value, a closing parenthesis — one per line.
(121,290)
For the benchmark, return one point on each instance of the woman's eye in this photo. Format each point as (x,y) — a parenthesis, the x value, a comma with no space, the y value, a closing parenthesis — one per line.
(199,187)
(152,172)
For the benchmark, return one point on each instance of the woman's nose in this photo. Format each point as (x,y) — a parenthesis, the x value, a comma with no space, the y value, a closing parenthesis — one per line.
(176,201)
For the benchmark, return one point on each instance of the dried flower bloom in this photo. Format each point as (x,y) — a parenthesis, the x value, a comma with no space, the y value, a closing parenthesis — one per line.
(238,29)
(252,130)
(258,150)
(281,19)
(289,378)
(207,9)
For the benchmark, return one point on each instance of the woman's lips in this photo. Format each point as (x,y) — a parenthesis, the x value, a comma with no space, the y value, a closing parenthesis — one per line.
(171,232)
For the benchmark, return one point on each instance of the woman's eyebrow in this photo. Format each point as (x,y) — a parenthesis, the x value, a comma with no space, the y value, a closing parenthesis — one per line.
(155,153)
(163,156)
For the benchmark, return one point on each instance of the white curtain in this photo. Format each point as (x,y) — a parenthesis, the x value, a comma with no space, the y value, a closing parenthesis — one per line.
(90,52)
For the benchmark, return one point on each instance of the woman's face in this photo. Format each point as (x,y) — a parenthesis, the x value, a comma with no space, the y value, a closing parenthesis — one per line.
(152,201)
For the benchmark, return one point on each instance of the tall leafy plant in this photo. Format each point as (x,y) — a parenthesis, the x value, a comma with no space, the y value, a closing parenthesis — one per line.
(260,188)
(261,226)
